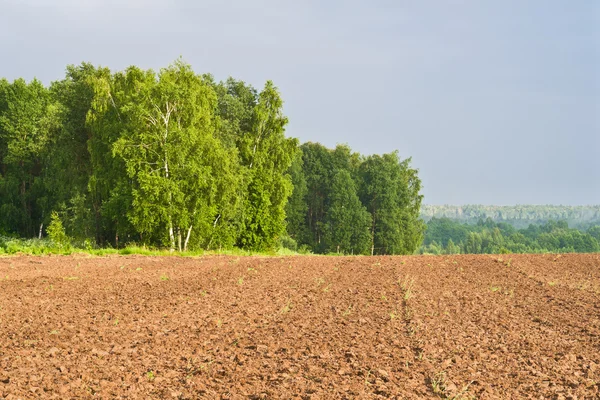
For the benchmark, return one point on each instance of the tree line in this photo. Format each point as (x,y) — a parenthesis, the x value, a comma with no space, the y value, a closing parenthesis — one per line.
(178,160)
(345,203)
(447,236)
(519,216)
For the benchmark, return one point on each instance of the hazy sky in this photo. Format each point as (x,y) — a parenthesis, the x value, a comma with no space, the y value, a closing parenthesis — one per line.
(497,102)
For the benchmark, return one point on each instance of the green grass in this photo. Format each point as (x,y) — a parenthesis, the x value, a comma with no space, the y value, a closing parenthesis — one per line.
(37,247)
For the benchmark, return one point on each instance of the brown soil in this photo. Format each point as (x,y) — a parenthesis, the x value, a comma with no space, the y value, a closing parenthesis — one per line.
(489,327)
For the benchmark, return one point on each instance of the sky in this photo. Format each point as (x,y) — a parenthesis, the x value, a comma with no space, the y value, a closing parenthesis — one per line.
(497,102)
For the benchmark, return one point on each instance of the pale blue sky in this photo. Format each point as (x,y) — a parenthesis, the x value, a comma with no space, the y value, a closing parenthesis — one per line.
(498,101)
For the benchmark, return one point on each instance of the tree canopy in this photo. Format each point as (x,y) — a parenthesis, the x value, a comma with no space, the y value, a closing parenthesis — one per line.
(174,159)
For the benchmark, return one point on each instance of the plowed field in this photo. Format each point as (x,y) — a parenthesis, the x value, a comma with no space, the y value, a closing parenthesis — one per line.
(489,327)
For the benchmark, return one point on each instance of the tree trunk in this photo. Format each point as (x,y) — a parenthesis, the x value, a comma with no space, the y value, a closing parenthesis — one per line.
(373,233)
(187,238)
(41,226)
(171,236)
(179,239)
(373,238)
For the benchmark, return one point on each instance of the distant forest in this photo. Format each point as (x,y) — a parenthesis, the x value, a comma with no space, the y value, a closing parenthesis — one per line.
(520,216)
(478,229)
(172,159)
(446,236)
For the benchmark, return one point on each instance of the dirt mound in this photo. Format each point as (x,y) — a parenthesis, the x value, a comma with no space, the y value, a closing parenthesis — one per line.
(510,326)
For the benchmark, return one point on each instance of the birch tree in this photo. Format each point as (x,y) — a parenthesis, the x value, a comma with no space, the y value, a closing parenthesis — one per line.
(179,170)
(266,155)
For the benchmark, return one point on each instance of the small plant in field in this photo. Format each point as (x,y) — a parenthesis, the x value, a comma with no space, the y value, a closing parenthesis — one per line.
(287,308)
(407,285)
(394,314)
(240,280)
(462,394)
(150,376)
(494,288)
(203,293)
(164,277)
(138,269)
(408,313)
(319,281)
(348,310)
(367,376)
(71,278)
(438,383)
(54,332)
(552,283)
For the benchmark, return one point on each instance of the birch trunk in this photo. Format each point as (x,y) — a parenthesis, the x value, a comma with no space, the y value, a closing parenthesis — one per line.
(179,239)
(187,238)
(171,235)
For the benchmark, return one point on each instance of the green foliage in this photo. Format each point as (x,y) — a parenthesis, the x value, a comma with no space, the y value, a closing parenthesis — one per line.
(489,237)
(266,155)
(296,208)
(286,242)
(350,204)
(391,192)
(28,117)
(56,232)
(140,159)
(347,221)
(182,175)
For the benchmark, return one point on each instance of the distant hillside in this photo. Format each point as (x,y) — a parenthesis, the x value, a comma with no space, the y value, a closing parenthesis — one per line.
(519,216)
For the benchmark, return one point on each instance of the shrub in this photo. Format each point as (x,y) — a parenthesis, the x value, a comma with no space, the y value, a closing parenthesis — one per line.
(286,242)
(56,232)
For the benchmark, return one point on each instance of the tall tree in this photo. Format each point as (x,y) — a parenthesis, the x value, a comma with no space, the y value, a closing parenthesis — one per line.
(347,221)
(72,183)
(390,190)
(266,154)
(297,206)
(178,168)
(27,118)
(319,166)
